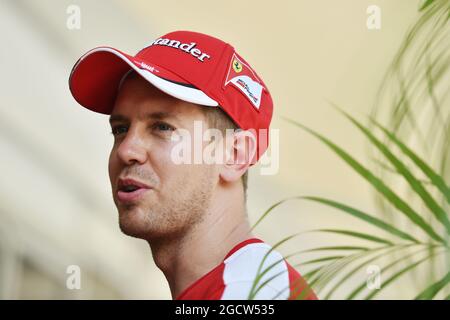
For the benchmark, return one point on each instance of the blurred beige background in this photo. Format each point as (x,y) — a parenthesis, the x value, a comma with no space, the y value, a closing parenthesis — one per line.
(56,208)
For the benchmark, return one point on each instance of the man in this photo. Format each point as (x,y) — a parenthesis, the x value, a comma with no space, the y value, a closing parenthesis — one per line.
(192,213)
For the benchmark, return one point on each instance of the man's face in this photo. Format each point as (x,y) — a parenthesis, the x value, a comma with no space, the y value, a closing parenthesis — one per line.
(175,196)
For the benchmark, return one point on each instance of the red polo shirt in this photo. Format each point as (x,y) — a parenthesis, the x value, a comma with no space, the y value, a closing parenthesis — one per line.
(234,277)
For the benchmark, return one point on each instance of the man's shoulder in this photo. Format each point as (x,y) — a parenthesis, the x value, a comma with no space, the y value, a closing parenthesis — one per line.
(258,267)
(251,266)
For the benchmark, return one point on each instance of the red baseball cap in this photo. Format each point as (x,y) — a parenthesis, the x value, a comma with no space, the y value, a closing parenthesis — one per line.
(187,65)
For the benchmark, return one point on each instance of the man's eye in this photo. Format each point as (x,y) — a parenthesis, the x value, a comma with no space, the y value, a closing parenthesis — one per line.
(119,130)
(162,126)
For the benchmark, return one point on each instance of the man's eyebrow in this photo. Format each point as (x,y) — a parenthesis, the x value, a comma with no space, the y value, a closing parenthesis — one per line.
(117,117)
(159,115)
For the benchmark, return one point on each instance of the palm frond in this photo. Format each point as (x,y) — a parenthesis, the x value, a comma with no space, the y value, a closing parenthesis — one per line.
(378,184)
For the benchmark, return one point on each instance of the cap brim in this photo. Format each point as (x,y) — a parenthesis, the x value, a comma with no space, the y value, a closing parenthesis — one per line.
(95,78)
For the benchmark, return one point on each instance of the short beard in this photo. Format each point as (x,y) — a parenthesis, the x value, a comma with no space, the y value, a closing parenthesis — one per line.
(171,219)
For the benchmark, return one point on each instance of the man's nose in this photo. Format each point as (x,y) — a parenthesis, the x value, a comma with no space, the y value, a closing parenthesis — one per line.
(132,148)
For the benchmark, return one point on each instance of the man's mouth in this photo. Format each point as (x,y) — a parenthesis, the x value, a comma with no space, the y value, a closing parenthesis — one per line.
(129,190)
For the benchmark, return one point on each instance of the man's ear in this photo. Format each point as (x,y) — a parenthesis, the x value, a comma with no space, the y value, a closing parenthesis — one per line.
(240,148)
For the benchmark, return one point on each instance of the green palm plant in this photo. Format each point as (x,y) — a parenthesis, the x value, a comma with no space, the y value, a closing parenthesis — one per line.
(413,217)
(414,101)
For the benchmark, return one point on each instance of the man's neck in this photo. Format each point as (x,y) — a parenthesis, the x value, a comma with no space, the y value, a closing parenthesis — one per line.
(185,259)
